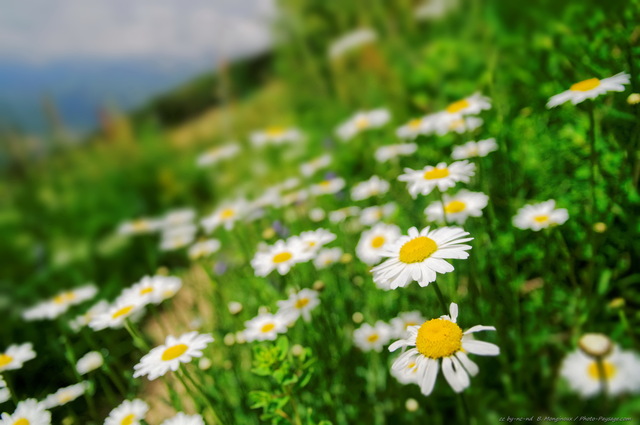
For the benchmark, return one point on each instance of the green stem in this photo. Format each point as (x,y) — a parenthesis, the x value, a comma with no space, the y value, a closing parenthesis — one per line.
(440,297)
(444,208)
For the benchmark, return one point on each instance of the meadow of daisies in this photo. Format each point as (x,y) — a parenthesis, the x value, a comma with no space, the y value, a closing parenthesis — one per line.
(428,214)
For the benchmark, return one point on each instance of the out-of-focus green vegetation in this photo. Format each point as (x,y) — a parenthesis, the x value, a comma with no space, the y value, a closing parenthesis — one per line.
(59,213)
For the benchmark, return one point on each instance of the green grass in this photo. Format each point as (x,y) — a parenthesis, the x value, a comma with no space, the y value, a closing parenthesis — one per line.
(59,215)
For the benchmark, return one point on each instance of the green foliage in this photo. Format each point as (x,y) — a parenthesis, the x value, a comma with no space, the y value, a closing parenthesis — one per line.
(291,373)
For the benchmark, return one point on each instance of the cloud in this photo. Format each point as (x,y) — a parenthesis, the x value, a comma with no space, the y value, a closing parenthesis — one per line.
(43,31)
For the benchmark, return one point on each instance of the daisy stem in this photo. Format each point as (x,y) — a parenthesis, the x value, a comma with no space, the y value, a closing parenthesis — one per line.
(465,408)
(138,341)
(603,375)
(205,395)
(592,181)
(444,208)
(440,297)
(71,358)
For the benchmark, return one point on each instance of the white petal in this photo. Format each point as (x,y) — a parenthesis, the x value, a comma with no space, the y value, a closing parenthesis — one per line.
(468,364)
(479,328)
(481,348)
(450,375)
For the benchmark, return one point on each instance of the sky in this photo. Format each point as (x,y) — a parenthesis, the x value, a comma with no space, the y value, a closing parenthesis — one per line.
(68,49)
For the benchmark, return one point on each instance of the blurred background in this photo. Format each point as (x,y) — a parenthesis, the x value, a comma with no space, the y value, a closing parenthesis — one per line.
(106,105)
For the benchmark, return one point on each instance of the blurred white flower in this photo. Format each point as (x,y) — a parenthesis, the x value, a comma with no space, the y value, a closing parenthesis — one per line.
(362,121)
(540,216)
(590,89)
(351,41)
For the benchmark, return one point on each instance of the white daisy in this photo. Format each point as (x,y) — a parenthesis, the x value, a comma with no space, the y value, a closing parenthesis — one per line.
(620,371)
(89,362)
(540,216)
(226,215)
(473,149)
(59,304)
(459,125)
(419,256)
(299,304)
(385,153)
(151,290)
(178,218)
(65,395)
(471,105)
(368,337)
(275,136)
(203,249)
(441,339)
(115,316)
(139,226)
(265,326)
(372,242)
(294,197)
(362,121)
(28,412)
(401,324)
(342,214)
(177,237)
(16,355)
(84,319)
(458,207)
(129,412)
(350,41)
(184,419)
(442,176)
(281,257)
(413,128)
(590,89)
(217,154)
(375,186)
(326,257)
(328,187)
(312,240)
(313,166)
(5,394)
(174,352)
(372,215)
(435,9)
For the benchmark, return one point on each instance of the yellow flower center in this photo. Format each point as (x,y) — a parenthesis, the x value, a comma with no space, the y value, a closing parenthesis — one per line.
(609,369)
(140,225)
(439,338)
(122,312)
(325,183)
(436,173)
(146,290)
(455,207)
(64,297)
(174,352)
(302,302)
(128,420)
(586,85)
(415,124)
(541,218)
(417,250)
(458,106)
(267,328)
(378,241)
(274,131)
(227,213)
(5,359)
(373,338)
(362,123)
(407,324)
(65,398)
(22,421)
(282,257)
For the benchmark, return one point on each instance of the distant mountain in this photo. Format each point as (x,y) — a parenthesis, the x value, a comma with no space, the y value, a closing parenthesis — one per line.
(79,89)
